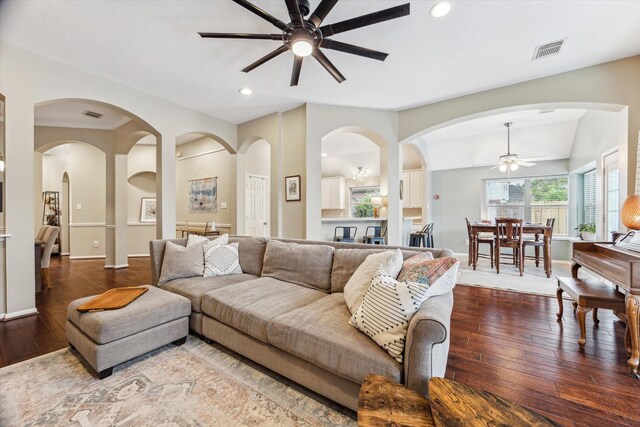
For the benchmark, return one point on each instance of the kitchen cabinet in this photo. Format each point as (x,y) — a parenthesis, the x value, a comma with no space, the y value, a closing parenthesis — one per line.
(412,189)
(333,192)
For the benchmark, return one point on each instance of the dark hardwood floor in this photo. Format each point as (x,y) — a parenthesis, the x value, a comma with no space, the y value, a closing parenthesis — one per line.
(504,342)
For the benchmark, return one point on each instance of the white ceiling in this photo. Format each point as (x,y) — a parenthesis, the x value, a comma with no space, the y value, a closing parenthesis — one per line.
(153,46)
(347,143)
(70,113)
(480,142)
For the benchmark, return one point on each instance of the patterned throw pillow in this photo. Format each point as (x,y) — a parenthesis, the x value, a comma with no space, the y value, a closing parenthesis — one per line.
(221,260)
(389,305)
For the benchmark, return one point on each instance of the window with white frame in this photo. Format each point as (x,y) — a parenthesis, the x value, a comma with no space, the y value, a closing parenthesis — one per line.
(532,199)
(589,197)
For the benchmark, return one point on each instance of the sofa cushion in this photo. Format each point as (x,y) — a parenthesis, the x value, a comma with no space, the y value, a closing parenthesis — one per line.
(251,252)
(306,265)
(195,287)
(347,261)
(181,261)
(250,306)
(320,334)
(153,308)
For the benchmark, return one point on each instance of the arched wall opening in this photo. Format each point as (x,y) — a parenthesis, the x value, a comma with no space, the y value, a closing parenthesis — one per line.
(65,211)
(348,170)
(205,183)
(564,141)
(129,145)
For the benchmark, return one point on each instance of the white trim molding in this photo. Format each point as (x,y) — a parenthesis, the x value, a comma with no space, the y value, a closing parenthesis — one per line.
(87,224)
(117,267)
(20,313)
(86,256)
(138,255)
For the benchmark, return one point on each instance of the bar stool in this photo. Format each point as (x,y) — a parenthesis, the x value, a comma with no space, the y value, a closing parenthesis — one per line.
(347,234)
(378,235)
(423,237)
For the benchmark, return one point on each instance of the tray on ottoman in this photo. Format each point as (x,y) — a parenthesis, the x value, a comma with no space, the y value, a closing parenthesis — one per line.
(108,338)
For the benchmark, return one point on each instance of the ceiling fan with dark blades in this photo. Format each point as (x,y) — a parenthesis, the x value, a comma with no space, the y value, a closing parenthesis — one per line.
(306,36)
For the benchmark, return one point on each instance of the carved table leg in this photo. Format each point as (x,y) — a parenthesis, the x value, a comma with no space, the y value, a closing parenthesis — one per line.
(582,313)
(474,245)
(574,270)
(547,256)
(627,339)
(560,307)
(595,316)
(633,319)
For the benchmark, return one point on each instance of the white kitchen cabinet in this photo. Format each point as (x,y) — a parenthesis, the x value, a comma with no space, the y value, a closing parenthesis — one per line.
(333,192)
(412,189)
(415,178)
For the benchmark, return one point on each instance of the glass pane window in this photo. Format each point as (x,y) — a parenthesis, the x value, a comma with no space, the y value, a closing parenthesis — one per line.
(532,199)
(612,200)
(361,206)
(589,197)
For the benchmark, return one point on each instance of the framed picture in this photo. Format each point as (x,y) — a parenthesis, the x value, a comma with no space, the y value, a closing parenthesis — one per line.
(148,210)
(292,190)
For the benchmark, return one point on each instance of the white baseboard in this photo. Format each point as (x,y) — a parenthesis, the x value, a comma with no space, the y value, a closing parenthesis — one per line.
(116,267)
(86,256)
(21,313)
(138,255)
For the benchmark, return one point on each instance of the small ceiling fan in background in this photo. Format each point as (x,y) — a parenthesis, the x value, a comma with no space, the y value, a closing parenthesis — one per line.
(510,162)
(305,36)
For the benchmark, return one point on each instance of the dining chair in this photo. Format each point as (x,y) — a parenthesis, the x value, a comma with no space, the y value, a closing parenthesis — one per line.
(485,240)
(346,235)
(537,244)
(509,235)
(49,239)
(378,235)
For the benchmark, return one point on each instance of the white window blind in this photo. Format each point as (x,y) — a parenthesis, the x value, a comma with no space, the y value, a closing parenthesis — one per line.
(589,197)
(533,199)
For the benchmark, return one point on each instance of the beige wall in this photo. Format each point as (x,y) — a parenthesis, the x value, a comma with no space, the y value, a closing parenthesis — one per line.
(222,165)
(293,163)
(258,158)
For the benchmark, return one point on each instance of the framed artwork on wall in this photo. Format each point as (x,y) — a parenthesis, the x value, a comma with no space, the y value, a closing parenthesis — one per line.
(148,210)
(292,190)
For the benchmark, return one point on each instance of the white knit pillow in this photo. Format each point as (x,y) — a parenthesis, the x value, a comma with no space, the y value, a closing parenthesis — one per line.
(195,239)
(389,262)
(221,260)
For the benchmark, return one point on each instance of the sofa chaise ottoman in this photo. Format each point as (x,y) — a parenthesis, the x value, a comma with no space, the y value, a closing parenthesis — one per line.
(107,338)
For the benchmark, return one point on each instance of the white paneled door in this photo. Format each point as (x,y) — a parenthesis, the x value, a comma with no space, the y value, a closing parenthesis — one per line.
(256,205)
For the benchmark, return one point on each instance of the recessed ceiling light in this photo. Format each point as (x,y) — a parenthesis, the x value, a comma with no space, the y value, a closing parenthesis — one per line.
(440,9)
(245,91)
(324,154)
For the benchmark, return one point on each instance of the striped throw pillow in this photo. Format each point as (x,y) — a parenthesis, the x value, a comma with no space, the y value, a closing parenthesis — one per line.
(389,305)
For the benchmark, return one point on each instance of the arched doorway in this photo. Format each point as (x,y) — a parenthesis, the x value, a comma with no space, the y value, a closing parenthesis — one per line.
(65,219)
(205,183)
(257,202)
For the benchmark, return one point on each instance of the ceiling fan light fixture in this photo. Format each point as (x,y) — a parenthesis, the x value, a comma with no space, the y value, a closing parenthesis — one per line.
(513,167)
(302,47)
(503,167)
(440,9)
(246,91)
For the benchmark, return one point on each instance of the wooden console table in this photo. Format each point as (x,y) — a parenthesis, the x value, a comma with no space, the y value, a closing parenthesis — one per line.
(383,402)
(622,268)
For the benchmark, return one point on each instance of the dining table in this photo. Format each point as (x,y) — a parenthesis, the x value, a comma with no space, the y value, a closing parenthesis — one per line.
(536,230)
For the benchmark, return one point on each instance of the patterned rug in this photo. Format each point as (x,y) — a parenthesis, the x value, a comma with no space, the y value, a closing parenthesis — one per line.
(192,385)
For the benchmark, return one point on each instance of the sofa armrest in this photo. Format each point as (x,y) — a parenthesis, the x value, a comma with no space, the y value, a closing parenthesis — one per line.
(427,345)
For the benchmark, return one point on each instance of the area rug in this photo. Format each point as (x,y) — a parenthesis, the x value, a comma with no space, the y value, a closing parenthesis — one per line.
(195,384)
(534,280)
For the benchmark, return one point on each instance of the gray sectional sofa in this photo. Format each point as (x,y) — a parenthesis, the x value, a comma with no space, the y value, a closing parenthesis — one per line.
(287,313)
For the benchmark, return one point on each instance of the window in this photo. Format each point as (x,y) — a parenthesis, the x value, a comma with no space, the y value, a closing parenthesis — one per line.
(361,206)
(589,197)
(532,199)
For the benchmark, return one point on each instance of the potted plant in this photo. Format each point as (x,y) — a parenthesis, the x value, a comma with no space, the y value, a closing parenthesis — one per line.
(587,231)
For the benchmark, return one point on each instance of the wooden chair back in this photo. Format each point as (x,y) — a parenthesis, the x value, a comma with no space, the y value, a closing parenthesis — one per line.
(550,223)
(509,230)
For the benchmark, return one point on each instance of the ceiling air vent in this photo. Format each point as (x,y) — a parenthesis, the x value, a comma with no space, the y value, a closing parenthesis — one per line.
(92,114)
(548,49)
